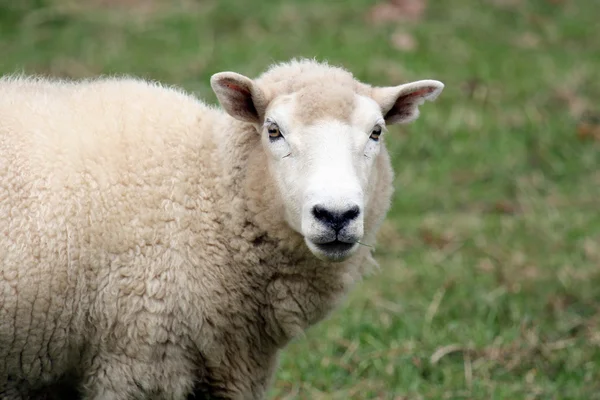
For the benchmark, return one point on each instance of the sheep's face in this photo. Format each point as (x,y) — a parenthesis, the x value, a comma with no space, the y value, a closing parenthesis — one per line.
(322,163)
(322,143)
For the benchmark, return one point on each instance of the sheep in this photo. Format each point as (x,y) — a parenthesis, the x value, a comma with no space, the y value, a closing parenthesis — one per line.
(154,247)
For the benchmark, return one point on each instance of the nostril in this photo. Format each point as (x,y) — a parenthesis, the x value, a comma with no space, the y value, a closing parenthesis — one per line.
(335,220)
(323,215)
(351,213)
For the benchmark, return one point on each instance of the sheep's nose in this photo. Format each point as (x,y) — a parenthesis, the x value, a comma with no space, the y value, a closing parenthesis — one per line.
(336,220)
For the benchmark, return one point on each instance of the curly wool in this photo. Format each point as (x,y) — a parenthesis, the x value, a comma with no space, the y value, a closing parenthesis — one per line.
(143,250)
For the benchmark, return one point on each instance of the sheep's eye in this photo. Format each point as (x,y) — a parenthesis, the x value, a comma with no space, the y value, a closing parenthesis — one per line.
(274,132)
(375,133)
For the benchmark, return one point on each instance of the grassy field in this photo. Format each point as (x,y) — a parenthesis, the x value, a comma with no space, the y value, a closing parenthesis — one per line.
(489,285)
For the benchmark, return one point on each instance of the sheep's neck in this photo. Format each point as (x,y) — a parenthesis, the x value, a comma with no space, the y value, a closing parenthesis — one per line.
(297,288)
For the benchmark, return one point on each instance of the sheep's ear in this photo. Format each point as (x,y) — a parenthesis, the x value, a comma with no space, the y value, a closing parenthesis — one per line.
(239,96)
(400,104)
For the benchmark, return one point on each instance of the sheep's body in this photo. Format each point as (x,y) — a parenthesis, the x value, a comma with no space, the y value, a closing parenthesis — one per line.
(142,248)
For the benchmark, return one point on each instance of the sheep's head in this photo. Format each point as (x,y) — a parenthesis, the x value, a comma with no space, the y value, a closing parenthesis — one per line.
(323,133)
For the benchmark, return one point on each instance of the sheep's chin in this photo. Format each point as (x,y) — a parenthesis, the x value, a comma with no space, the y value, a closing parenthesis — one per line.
(333,251)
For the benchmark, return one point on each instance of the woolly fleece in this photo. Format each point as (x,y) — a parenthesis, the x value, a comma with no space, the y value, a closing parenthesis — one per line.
(143,251)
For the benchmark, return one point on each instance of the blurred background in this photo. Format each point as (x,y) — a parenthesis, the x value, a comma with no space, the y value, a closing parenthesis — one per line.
(489,286)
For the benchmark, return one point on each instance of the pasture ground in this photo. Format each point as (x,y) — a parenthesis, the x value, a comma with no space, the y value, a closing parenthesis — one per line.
(489,285)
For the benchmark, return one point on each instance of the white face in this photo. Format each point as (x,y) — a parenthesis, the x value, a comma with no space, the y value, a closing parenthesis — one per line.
(322,141)
(323,170)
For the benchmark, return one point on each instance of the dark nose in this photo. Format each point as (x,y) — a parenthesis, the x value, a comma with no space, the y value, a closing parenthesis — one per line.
(336,220)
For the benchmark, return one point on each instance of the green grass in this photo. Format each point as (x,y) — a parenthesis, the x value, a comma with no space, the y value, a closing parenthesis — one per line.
(490,259)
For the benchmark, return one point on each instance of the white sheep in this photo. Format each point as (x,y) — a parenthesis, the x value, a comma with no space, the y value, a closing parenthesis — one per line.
(152,246)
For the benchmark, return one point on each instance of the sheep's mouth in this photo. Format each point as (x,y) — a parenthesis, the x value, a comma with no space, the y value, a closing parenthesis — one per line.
(336,246)
(336,250)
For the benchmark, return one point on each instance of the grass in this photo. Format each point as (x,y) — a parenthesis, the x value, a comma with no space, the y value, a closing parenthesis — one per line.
(489,285)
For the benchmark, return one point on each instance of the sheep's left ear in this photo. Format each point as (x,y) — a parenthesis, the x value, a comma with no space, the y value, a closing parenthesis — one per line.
(239,96)
(400,104)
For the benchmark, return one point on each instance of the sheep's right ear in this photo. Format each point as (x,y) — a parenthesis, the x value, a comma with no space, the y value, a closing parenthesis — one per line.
(239,96)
